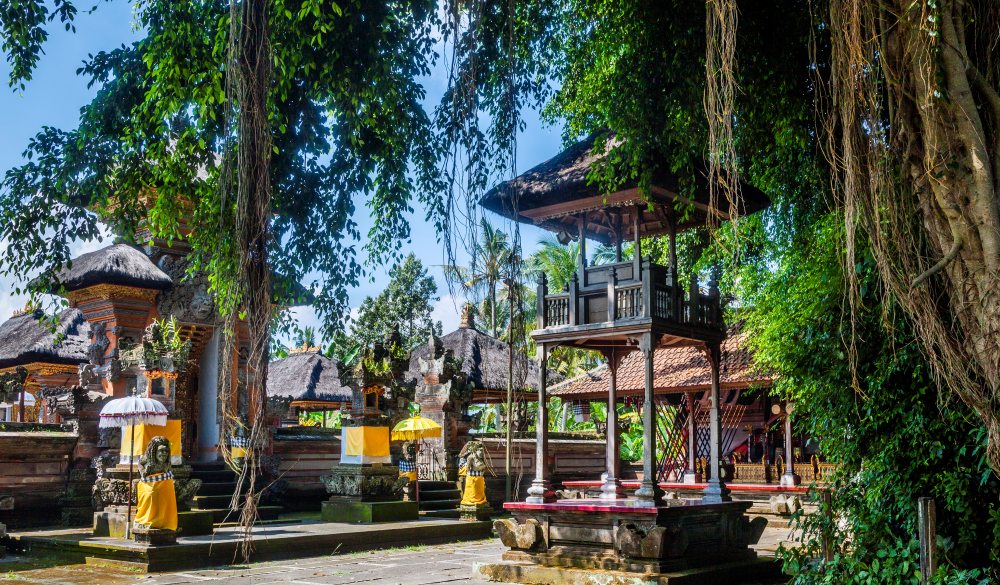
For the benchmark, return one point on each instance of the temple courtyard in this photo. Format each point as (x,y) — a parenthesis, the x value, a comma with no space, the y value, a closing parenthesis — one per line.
(414,564)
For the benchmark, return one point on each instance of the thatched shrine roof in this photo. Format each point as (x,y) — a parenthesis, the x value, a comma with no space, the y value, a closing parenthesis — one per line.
(25,339)
(307,377)
(119,264)
(553,194)
(675,369)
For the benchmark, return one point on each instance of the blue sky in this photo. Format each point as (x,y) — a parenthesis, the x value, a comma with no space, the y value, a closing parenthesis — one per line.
(55,95)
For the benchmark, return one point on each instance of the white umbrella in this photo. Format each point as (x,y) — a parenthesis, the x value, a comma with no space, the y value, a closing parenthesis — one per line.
(133,410)
(128,412)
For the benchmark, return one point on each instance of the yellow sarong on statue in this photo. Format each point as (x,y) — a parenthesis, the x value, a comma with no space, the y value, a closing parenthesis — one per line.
(410,475)
(157,504)
(475,490)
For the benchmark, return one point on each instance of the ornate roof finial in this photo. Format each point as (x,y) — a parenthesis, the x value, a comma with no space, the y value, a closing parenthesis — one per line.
(304,348)
(468,320)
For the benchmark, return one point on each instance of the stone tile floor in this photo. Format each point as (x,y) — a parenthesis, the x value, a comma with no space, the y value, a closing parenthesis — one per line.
(418,565)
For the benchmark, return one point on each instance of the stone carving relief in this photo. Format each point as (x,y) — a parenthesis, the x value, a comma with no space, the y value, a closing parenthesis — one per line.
(188,300)
(648,542)
(526,536)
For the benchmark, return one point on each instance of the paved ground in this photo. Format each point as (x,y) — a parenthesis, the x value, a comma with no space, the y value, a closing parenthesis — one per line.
(419,565)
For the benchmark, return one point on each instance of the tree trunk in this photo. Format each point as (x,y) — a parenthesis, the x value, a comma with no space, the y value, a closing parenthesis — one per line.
(917,150)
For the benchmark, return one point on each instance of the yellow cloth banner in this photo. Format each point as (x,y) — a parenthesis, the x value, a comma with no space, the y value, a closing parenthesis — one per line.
(410,475)
(370,441)
(145,433)
(157,504)
(475,491)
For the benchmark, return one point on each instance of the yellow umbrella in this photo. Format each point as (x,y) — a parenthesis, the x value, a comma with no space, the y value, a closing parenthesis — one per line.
(413,429)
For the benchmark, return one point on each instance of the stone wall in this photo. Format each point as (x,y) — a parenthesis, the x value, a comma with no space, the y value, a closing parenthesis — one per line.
(569,459)
(34,467)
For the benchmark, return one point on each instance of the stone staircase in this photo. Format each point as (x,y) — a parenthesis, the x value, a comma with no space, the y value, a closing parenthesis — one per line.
(439,499)
(218,484)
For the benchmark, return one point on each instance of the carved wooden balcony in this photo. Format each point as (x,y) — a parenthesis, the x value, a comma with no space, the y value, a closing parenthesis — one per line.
(603,305)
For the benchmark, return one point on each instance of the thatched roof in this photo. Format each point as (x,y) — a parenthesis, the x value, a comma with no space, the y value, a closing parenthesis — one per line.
(483,361)
(118,264)
(308,377)
(675,369)
(25,340)
(554,193)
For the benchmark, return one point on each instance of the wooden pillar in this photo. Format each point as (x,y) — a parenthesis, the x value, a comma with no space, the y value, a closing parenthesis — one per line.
(789,478)
(612,488)
(637,256)
(582,238)
(649,492)
(618,236)
(540,492)
(716,490)
(691,474)
(672,235)
(927,531)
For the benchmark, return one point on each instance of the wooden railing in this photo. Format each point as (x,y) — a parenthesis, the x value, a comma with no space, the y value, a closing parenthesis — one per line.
(557,310)
(628,302)
(600,296)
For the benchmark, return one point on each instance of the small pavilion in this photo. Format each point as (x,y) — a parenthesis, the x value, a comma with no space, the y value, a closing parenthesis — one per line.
(51,356)
(307,381)
(618,309)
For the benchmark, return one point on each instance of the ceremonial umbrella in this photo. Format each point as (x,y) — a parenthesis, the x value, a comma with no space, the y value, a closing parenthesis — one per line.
(129,412)
(416,428)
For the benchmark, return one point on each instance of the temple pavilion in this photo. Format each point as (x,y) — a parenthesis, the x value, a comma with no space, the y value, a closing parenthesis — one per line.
(621,309)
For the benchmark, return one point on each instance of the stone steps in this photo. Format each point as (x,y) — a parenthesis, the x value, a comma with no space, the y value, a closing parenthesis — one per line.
(226,517)
(216,492)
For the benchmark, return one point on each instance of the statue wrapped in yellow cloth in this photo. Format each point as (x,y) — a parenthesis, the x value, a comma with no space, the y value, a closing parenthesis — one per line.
(408,461)
(474,490)
(155,496)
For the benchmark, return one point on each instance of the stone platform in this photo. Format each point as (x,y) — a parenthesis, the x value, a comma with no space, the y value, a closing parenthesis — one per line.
(354,512)
(532,574)
(629,535)
(271,542)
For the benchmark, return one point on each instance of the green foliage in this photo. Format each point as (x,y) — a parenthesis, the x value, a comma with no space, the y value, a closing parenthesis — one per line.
(333,419)
(405,305)
(347,122)
(161,347)
(886,427)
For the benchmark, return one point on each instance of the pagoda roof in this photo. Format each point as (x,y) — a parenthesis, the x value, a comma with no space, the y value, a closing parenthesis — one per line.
(675,369)
(553,194)
(120,264)
(308,376)
(27,339)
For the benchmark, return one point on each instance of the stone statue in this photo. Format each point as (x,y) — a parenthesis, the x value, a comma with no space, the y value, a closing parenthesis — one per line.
(156,500)
(474,504)
(156,459)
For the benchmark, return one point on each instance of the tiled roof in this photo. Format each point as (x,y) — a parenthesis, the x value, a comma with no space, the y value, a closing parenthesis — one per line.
(678,369)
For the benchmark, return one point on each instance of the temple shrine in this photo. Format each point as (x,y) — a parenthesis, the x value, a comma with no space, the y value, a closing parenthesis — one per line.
(621,309)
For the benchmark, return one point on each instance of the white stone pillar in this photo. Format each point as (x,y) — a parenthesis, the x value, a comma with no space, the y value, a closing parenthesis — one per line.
(208,400)
(540,491)
(716,490)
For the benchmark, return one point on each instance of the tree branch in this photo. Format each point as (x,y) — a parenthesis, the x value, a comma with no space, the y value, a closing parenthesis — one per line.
(951,255)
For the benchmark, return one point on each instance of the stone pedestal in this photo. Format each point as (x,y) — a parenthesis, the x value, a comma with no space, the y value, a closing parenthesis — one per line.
(478,513)
(625,535)
(154,536)
(366,493)
(111,522)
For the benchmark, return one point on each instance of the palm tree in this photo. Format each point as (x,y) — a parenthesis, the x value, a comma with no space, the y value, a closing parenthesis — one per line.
(491,256)
(556,261)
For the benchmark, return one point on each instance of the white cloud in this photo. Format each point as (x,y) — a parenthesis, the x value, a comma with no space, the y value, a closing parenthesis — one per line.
(448,311)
